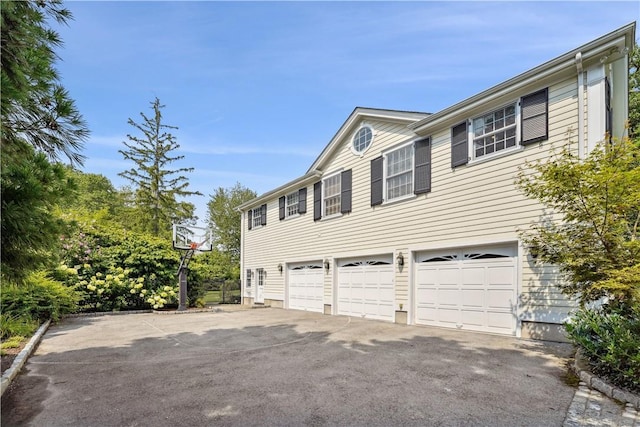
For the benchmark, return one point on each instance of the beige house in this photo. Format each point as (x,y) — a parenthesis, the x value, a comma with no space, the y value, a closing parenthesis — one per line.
(414,218)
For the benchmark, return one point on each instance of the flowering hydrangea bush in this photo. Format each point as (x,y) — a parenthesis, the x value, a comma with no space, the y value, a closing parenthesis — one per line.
(115,290)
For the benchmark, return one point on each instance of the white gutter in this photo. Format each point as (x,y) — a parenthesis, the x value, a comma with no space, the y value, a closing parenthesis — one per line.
(578,60)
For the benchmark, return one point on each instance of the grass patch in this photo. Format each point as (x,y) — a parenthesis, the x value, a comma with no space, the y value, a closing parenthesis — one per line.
(17,326)
(215,297)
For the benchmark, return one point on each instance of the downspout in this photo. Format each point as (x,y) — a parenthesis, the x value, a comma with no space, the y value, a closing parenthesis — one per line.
(578,61)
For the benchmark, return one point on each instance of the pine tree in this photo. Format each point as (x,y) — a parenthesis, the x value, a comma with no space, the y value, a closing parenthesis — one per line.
(156,187)
(36,109)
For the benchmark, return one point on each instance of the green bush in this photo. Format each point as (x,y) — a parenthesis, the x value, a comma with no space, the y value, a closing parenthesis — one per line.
(39,298)
(611,342)
(16,326)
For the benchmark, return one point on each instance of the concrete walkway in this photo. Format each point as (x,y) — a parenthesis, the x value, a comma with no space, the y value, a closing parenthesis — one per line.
(592,408)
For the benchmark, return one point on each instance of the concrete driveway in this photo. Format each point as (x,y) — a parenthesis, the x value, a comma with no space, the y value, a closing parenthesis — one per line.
(283,367)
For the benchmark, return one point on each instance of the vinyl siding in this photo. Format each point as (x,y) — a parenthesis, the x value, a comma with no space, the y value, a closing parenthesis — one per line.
(472,203)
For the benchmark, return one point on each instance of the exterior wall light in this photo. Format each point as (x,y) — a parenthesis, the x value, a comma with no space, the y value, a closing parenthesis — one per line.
(327,265)
(280,268)
(400,260)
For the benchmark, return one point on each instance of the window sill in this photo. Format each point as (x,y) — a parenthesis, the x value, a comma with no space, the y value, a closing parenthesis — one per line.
(330,217)
(287,218)
(257,227)
(497,155)
(399,199)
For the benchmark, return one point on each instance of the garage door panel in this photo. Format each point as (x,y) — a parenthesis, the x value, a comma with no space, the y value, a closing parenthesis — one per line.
(473,298)
(448,297)
(473,290)
(500,321)
(473,319)
(473,276)
(366,291)
(306,289)
(447,317)
(502,275)
(500,298)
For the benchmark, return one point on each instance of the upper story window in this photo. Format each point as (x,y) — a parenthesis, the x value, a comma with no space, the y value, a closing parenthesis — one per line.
(494,131)
(362,140)
(331,196)
(292,204)
(518,124)
(257,217)
(399,172)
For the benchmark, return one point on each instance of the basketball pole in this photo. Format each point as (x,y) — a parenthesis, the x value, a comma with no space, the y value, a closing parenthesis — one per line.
(182,280)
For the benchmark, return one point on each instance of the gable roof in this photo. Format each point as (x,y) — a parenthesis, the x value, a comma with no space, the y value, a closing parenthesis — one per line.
(358,114)
(315,171)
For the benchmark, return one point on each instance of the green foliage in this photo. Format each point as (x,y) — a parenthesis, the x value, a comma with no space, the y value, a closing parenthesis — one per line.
(14,342)
(31,187)
(36,110)
(17,327)
(115,269)
(224,218)
(591,231)
(39,298)
(95,194)
(157,186)
(634,93)
(611,341)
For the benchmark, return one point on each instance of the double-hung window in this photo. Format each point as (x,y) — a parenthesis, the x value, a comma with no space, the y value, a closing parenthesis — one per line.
(520,123)
(257,217)
(494,131)
(399,172)
(331,198)
(292,204)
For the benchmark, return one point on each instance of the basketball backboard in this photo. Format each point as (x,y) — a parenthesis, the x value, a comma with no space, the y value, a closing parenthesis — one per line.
(189,237)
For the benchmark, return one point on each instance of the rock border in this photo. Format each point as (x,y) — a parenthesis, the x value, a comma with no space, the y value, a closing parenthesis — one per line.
(22,357)
(581,369)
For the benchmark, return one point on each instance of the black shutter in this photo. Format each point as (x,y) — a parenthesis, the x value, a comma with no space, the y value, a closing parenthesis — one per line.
(281,207)
(534,113)
(317,200)
(345,192)
(459,145)
(263,214)
(422,166)
(302,200)
(377,169)
(250,218)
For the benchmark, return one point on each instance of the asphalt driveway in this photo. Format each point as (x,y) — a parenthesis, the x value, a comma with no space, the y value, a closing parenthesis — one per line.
(283,367)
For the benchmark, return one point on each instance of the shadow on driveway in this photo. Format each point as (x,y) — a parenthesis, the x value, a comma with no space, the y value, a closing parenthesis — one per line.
(281,367)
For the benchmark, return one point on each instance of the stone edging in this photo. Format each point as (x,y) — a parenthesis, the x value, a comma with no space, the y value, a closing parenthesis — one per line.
(581,369)
(107,313)
(22,357)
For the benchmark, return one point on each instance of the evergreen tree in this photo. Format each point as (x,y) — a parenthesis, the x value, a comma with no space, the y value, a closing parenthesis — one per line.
(156,187)
(36,109)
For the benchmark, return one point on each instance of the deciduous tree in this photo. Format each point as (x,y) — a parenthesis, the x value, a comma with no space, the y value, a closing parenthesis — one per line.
(224,219)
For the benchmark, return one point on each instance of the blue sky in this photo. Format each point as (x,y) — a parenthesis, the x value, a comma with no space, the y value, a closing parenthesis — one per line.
(258,89)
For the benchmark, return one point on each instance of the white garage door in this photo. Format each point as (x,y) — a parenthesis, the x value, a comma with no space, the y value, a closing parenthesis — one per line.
(472,289)
(306,287)
(365,288)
